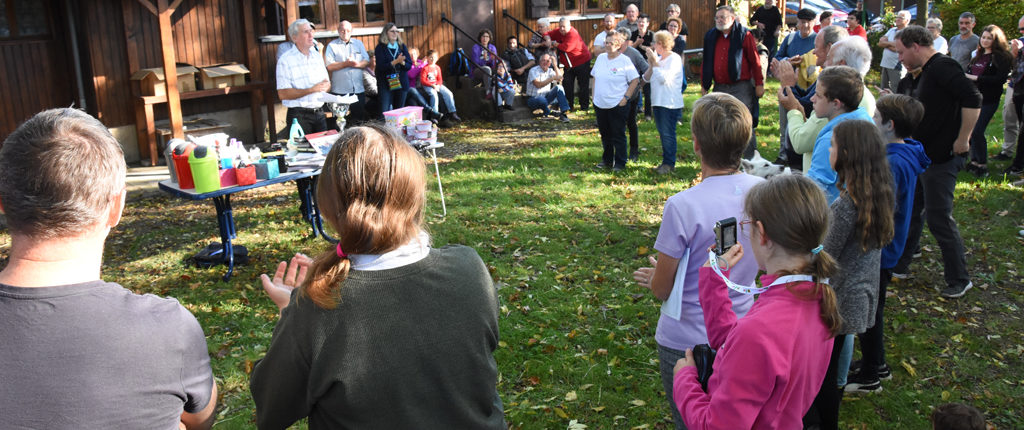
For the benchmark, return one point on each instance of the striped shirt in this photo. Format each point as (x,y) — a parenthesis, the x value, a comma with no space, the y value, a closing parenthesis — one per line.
(299,71)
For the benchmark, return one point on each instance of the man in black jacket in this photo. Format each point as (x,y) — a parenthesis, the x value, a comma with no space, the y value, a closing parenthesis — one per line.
(952,104)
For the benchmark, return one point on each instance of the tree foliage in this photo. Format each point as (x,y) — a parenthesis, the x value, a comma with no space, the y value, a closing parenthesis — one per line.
(1002,13)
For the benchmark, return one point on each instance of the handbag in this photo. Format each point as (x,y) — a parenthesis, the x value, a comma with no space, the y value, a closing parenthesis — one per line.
(703,357)
(393,82)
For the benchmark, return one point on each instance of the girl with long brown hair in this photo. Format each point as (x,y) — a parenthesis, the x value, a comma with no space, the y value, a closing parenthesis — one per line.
(862,223)
(989,70)
(790,327)
(381,330)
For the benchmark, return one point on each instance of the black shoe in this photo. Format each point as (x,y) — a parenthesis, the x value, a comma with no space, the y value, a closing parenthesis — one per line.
(618,168)
(858,383)
(956,291)
(454,117)
(603,166)
(1003,156)
(884,372)
(634,158)
(507,107)
(563,117)
(979,170)
(1013,171)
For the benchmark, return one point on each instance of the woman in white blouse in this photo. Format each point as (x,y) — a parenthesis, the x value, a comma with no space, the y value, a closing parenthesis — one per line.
(666,78)
(614,83)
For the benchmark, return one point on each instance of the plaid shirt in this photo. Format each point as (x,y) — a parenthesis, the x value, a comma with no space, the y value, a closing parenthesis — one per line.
(298,71)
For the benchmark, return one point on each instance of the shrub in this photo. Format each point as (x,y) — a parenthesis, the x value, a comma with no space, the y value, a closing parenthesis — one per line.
(1003,13)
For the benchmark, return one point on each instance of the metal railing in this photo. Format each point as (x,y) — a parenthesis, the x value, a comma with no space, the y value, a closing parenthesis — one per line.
(490,75)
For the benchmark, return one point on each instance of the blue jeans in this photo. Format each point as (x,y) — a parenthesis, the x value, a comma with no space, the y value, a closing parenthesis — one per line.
(446,95)
(665,120)
(414,96)
(979,148)
(390,99)
(667,358)
(545,100)
(611,124)
(845,356)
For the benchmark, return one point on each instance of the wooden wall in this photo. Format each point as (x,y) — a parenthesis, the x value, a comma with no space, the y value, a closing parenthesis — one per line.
(35,75)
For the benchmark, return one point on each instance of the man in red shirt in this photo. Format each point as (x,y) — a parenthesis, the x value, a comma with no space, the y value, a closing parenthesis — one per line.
(855,29)
(574,56)
(731,63)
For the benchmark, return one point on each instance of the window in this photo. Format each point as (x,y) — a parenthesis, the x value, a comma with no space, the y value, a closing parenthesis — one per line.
(311,10)
(324,15)
(570,7)
(23,19)
(362,11)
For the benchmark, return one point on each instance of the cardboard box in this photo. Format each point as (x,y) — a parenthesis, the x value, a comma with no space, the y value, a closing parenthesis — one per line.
(152,80)
(222,76)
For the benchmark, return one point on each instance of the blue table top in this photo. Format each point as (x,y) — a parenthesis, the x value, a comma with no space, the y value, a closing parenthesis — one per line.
(191,194)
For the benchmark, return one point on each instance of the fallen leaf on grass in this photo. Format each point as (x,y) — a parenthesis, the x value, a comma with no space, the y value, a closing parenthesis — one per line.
(561,413)
(642,250)
(570,396)
(597,408)
(638,402)
(910,369)
(575,425)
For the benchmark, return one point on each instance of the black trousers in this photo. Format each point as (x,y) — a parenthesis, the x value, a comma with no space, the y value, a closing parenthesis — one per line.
(311,120)
(872,341)
(579,74)
(825,410)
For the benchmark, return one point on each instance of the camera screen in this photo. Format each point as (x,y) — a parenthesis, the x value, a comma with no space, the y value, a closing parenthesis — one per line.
(728,236)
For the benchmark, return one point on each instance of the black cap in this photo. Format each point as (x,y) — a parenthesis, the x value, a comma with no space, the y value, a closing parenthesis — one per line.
(806,14)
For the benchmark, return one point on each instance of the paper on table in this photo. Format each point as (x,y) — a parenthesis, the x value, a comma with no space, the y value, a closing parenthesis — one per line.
(673,307)
(332,98)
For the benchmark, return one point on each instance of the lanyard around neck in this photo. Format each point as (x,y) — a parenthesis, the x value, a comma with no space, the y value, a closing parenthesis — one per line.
(751,289)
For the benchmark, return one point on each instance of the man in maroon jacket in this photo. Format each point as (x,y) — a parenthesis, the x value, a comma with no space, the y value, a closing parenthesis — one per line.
(732,65)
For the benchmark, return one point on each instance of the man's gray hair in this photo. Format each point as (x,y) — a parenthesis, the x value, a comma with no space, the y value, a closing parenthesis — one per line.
(564,19)
(832,34)
(624,32)
(633,6)
(854,52)
(905,14)
(544,22)
(969,16)
(59,174)
(936,22)
(673,6)
(293,29)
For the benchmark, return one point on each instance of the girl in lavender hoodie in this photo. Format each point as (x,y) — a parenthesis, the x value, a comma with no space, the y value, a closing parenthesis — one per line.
(771,362)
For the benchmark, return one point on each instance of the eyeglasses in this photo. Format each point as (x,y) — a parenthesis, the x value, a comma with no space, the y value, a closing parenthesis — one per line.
(1020,29)
(744,223)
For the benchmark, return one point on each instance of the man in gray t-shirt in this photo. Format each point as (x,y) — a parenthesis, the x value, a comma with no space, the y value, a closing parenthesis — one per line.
(80,353)
(961,46)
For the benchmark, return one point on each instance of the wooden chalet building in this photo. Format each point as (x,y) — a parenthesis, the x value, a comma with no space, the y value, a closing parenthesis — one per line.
(56,53)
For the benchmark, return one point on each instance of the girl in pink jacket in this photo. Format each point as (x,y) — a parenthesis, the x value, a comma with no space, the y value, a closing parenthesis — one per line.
(770,363)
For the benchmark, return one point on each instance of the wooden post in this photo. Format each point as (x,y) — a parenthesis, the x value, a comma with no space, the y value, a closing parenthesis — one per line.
(291,11)
(170,69)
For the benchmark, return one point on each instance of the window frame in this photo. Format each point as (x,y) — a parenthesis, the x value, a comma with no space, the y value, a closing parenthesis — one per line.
(581,8)
(10,14)
(330,15)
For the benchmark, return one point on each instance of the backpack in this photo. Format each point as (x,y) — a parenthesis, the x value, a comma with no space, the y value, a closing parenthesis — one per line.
(458,66)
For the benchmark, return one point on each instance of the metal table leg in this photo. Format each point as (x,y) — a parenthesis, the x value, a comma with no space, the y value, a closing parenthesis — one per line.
(440,190)
(226,225)
(308,207)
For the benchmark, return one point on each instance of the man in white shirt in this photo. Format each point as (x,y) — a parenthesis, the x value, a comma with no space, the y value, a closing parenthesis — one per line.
(302,79)
(892,70)
(607,27)
(544,87)
(346,58)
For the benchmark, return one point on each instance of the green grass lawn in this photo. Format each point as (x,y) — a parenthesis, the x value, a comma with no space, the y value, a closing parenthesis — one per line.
(561,240)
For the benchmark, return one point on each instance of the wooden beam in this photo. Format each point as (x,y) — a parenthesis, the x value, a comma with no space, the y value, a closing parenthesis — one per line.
(170,73)
(291,11)
(131,31)
(252,57)
(149,5)
(174,5)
